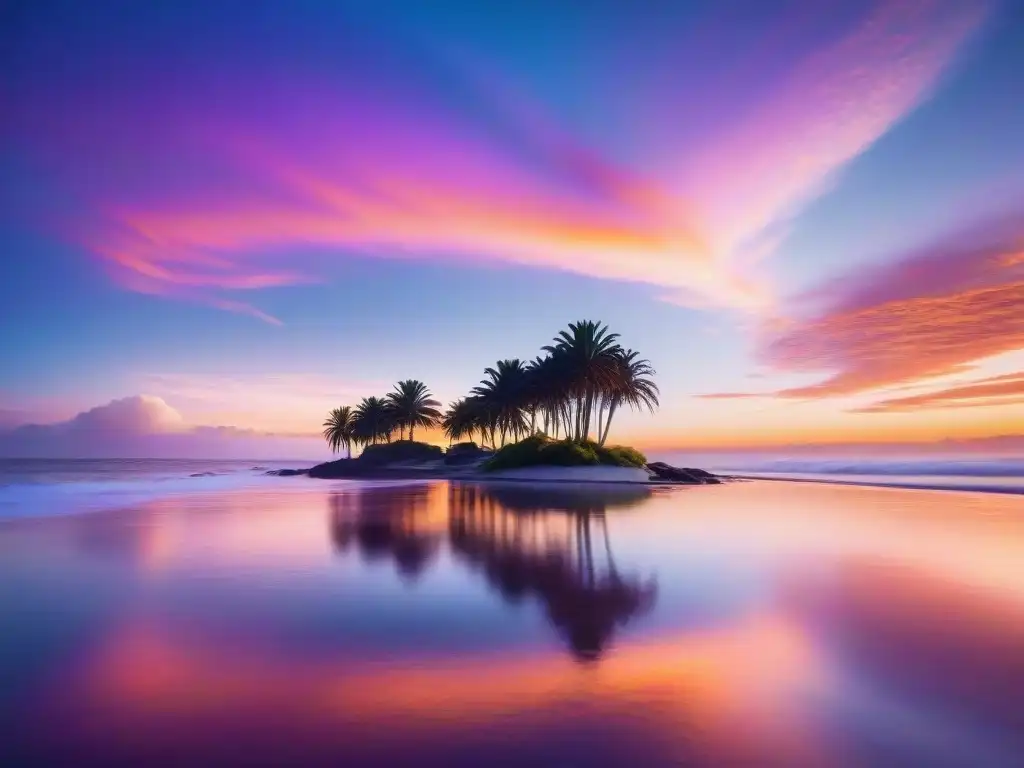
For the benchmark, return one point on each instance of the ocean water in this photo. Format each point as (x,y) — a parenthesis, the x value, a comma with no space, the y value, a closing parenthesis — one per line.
(43,487)
(285,621)
(993,475)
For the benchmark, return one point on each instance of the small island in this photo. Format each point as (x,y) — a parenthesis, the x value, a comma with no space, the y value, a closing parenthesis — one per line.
(547,419)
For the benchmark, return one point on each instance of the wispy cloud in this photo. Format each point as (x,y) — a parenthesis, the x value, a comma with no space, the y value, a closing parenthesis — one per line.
(994,390)
(270,190)
(928,314)
(732,395)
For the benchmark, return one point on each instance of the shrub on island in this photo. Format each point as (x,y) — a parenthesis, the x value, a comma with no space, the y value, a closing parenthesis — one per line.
(541,450)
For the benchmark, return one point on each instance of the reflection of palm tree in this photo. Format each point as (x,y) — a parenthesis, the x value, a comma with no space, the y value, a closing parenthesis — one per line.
(382,523)
(522,554)
(562,497)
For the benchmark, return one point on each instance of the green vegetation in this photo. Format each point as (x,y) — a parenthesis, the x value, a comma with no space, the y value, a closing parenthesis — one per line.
(541,450)
(570,392)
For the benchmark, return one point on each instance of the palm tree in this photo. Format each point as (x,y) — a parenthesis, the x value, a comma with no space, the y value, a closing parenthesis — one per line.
(504,395)
(585,357)
(459,420)
(412,406)
(584,372)
(338,429)
(372,421)
(633,386)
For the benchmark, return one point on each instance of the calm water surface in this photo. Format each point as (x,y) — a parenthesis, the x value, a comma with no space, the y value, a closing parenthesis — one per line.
(759,623)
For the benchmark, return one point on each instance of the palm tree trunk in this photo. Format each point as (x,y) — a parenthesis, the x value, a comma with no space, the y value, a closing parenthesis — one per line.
(608,422)
(586,416)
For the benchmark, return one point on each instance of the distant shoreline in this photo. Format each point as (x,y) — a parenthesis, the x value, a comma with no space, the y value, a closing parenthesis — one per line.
(882,483)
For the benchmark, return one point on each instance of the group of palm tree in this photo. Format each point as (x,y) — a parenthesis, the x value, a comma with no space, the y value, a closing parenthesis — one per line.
(572,391)
(377,419)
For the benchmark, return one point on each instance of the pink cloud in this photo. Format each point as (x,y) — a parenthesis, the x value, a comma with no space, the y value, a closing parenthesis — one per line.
(144,426)
(931,313)
(731,395)
(995,390)
(834,102)
(390,169)
(142,414)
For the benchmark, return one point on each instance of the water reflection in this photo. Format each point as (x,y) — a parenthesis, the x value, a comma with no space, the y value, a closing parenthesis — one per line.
(526,542)
(531,543)
(790,625)
(384,523)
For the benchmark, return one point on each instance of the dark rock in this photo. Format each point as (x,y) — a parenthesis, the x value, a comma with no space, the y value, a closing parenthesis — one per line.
(287,472)
(399,451)
(356,469)
(331,470)
(203,474)
(703,475)
(686,475)
(465,453)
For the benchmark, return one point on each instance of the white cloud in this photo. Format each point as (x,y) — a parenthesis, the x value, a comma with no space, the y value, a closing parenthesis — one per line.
(144,426)
(140,414)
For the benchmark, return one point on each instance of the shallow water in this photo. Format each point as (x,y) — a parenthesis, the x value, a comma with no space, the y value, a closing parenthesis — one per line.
(757,623)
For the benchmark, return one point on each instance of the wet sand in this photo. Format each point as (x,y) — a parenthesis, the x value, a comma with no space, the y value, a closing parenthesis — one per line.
(446,623)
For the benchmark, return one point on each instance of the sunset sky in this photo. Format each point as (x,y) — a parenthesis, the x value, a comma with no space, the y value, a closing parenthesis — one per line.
(219,220)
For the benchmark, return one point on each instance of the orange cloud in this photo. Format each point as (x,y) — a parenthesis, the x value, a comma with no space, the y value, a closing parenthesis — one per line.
(933,313)
(393,174)
(731,395)
(996,390)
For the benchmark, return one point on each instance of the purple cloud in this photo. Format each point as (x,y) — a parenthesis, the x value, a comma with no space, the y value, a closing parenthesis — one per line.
(143,426)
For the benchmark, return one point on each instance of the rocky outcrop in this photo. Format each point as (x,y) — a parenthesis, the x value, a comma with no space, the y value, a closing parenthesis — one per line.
(400,459)
(682,475)
(340,468)
(465,453)
(400,451)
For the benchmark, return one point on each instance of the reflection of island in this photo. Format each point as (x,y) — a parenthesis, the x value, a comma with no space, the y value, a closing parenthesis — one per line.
(384,523)
(538,542)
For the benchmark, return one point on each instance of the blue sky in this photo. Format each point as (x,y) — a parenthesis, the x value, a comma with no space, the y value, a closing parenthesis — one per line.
(321,198)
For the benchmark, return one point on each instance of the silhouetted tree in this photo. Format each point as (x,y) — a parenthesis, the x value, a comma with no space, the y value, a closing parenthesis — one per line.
(412,405)
(339,429)
(372,421)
